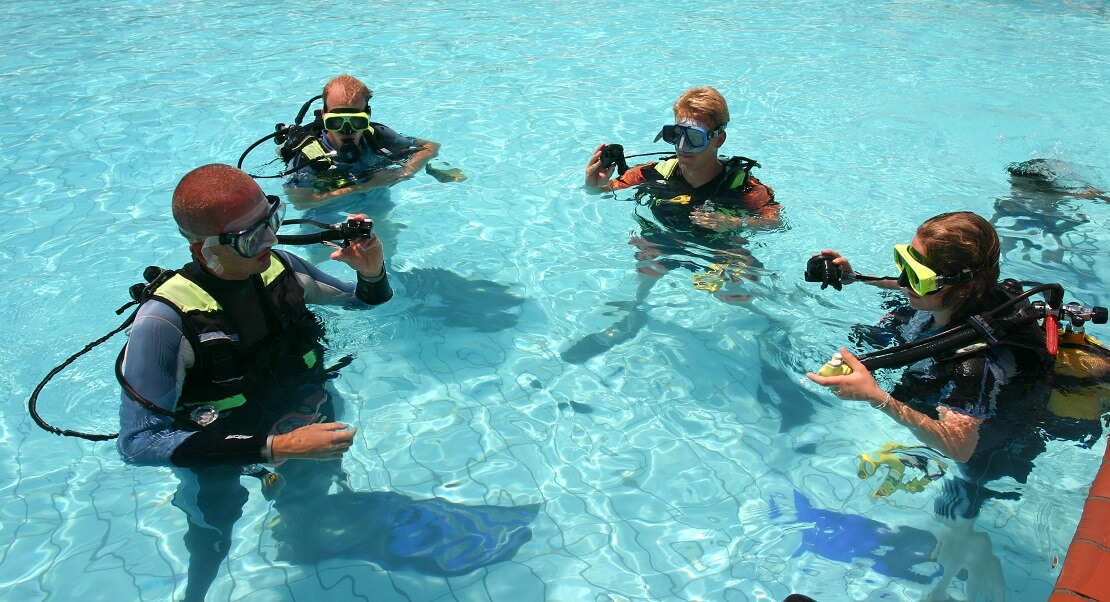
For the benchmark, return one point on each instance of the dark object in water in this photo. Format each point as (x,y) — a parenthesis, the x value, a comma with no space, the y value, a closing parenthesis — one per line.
(432,536)
(1056,177)
(1040,170)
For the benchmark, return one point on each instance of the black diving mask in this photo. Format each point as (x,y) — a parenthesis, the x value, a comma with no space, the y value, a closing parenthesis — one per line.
(248,242)
(697,138)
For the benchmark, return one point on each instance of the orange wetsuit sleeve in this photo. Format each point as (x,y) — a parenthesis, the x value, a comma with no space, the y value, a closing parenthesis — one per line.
(760,200)
(632,177)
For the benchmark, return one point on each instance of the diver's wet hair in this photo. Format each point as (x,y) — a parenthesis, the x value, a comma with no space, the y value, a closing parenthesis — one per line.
(963,240)
(703,101)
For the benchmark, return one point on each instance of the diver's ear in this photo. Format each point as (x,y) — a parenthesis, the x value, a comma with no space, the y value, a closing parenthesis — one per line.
(956,294)
(720,139)
(194,250)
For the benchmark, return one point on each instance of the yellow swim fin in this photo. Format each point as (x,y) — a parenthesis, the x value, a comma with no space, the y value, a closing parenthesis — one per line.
(445,174)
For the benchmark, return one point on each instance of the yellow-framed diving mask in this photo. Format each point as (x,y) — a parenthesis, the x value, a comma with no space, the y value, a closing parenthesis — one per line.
(920,278)
(336,122)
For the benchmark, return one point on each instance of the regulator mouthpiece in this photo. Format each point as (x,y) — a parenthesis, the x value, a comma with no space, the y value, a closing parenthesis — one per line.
(348,153)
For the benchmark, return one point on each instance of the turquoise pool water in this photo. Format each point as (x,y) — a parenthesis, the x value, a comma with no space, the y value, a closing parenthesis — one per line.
(691,461)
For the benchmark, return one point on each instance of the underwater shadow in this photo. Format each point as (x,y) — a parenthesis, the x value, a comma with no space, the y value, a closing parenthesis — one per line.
(446,297)
(593,345)
(431,536)
(897,552)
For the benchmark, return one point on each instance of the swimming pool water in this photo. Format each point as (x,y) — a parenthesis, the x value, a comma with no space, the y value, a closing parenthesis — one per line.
(691,461)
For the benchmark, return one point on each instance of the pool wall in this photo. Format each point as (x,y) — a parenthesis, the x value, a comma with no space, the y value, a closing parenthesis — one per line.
(1086,573)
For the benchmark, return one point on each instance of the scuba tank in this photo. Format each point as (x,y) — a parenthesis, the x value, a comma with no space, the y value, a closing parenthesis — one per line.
(1081,388)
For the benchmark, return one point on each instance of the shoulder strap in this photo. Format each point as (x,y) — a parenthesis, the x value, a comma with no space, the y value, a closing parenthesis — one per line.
(666,167)
(737,170)
(186,295)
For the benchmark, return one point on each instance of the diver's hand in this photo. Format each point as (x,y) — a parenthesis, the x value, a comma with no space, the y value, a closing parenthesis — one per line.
(847,273)
(715,221)
(365,255)
(596,177)
(859,385)
(326,441)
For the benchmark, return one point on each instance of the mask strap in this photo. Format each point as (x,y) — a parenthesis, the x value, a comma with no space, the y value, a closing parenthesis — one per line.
(964,275)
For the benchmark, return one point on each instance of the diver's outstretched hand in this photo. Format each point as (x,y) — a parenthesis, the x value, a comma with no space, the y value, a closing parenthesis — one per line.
(327,441)
(859,385)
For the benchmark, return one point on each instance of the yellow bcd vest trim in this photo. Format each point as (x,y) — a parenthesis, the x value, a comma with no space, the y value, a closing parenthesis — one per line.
(272,272)
(666,168)
(187,296)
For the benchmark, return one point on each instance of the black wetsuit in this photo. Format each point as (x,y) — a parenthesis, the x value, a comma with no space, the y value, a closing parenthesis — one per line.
(1006,386)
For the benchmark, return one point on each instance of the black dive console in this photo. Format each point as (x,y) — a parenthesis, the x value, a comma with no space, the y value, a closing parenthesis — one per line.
(820,268)
(614,154)
(343,232)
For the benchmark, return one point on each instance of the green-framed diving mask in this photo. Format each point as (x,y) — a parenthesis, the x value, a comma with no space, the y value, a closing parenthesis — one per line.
(340,122)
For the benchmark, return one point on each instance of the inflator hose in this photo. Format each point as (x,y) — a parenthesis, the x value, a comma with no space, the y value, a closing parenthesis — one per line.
(32,403)
(254,145)
(961,335)
(953,338)
(309,239)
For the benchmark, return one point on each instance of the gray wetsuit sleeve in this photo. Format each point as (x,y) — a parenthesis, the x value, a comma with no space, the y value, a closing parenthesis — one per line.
(156,356)
(324,288)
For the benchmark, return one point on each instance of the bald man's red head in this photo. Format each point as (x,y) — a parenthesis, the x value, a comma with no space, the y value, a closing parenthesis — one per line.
(210,197)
